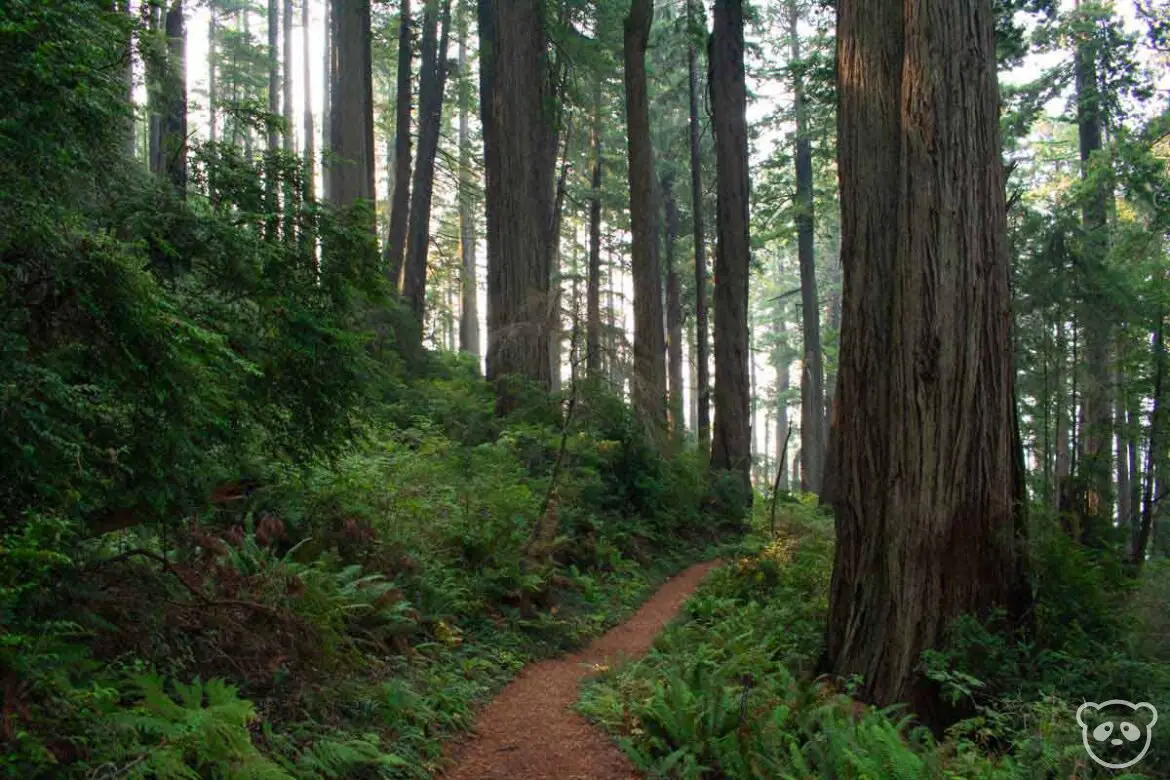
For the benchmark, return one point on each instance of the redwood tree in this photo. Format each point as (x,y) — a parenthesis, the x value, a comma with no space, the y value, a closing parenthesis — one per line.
(395,249)
(351,171)
(702,382)
(649,382)
(923,473)
(731,446)
(519,137)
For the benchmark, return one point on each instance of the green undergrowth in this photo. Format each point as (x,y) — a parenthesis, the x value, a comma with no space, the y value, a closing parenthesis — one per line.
(342,617)
(730,691)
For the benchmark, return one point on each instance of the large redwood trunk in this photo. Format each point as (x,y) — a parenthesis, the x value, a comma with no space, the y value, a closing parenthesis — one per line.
(519,154)
(649,379)
(469,319)
(923,459)
(731,446)
(432,81)
(702,381)
(674,347)
(351,172)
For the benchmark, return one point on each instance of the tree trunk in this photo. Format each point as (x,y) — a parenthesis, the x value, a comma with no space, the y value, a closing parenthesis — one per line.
(352,168)
(395,250)
(469,320)
(1155,459)
(1098,429)
(1123,436)
(1063,459)
(432,82)
(156,86)
(173,132)
(649,384)
(924,471)
(307,87)
(287,80)
(519,154)
(812,375)
(731,448)
(327,101)
(212,81)
(782,380)
(554,314)
(272,203)
(673,312)
(703,382)
(593,291)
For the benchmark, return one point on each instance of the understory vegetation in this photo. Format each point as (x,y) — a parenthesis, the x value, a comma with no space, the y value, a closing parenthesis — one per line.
(731,689)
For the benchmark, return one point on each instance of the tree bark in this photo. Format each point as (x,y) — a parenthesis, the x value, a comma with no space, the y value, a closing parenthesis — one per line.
(1097,435)
(703,382)
(731,447)
(286,73)
(173,132)
(327,101)
(593,291)
(469,319)
(352,168)
(673,312)
(925,405)
(156,86)
(395,251)
(273,199)
(649,381)
(519,154)
(307,91)
(812,375)
(432,82)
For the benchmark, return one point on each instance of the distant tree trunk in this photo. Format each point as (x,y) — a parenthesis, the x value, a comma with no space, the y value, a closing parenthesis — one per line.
(247,24)
(731,448)
(287,80)
(1063,469)
(1154,456)
(703,382)
(782,381)
(925,403)
(812,375)
(519,154)
(1124,510)
(649,387)
(1098,430)
(432,82)
(212,81)
(173,133)
(693,397)
(673,312)
(352,169)
(554,340)
(327,101)
(593,291)
(1133,421)
(156,86)
(395,251)
(307,87)
(272,198)
(469,321)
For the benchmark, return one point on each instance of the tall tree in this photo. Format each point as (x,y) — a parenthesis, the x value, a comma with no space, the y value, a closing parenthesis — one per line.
(673,311)
(327,101)
(395,250)
(519,155)
(212,80)
(731,447)
(925,381)
(1097,433)
(593,284)
(703,383)
(649,386)
(307,93)
(432,81)
(469,319)
(351,169)
(286,20)
(812,376)
(173,126)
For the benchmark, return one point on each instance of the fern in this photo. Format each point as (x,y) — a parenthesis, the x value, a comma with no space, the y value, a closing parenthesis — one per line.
(202,731)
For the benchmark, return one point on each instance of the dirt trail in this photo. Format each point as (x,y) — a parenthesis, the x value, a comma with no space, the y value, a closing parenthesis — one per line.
(530,731)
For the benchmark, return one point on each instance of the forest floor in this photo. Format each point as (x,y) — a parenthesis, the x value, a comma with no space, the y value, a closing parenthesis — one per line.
(531,729)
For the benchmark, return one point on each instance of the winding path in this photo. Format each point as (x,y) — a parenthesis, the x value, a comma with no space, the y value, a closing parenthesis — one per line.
(530,730)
